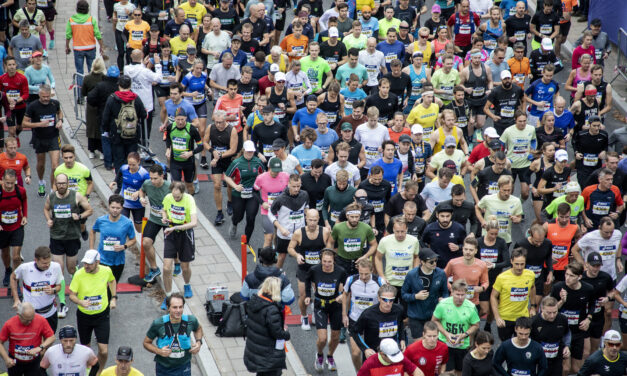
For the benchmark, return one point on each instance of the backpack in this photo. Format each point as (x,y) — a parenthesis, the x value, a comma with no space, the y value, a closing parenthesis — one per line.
(127,121)
(233,322)
(18,194)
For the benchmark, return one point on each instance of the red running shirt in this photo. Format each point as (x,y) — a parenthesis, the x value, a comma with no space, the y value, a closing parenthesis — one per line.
(373,367)
(23,338)
(429,361)
(12,209)
(12,87)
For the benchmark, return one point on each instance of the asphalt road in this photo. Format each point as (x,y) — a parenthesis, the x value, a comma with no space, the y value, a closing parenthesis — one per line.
(130,320)
(302,341)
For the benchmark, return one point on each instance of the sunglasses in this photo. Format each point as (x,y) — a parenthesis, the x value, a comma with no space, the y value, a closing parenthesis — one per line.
(137,15)
(612,344)
(424,36)
(387,300)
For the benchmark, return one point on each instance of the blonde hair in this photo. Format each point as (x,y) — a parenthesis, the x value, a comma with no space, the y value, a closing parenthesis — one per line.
(98,66)
(271,287)
(440,119)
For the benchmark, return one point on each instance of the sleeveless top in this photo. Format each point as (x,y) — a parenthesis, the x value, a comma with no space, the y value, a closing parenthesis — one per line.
(310,249)
(438,145)
(275,99)
(426,52)
(579,78)
(586,112)
(220,140)
(491,35)
(331,109)
(416,84)
(540,172)
(479,85)
(64,227)
(439,46)
(487,162)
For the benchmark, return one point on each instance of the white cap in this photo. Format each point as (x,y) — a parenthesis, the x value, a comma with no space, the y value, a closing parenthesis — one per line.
(490,132)
(91,256)
(333,32)
(389,347)
(249,146)
(505,74)
(547,45)
(610,335)
(279,76)
(572,186)
(417,128)
(561,155)
(274,68)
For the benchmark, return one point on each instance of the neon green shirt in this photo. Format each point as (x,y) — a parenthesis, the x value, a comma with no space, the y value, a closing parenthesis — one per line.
(316,71)
(447,82)
(456,320)
(179,212)
(384,25)
(93,288)
(78,176)
(576,207)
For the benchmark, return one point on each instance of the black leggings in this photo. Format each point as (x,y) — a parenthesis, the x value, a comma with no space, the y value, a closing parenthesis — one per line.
(119,42)
(109,7)
(251,207)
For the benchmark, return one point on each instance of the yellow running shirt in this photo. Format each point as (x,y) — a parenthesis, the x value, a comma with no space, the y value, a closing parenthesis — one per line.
(93,288)
(194,15)
(514,293)
(426,117)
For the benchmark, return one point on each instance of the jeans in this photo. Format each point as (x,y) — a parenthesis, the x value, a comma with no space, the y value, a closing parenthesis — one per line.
(184,370)
(250,206)
(120,151)
(79,58)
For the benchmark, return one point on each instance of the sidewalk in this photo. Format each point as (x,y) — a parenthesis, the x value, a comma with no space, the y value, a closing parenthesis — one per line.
(215,263)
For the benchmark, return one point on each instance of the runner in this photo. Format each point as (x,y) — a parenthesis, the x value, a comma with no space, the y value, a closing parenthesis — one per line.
(506,99)
(68,357)
(336,199)
(471,269)
(267,187)
(123,364)
(444,236)
(539,258)
(606,241)
(530,361)
(603,286)
(550,329)
(562,234)
(16,161)
(608,360)
(429,353)
(14,213)
(14,97)
(389,361)
(351,239)
(196,88)
(129,180)
(476,79)
(179,214)
(183,141)
(90,290)
(264,134)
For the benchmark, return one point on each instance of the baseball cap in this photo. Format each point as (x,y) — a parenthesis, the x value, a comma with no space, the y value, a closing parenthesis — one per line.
(180,112)
(505,74)
(561,155)
(417,128)
(249,146)
(572,186)
(449,164)
(67,331)
(191,50)
(236,38)
(346,126)
(593,118)
(312,98)
(91,256)
(547,45)
(113,71)
(389,347)
(333,32)
(594,258)
(404,138)
(427,254)
(125,353)
(445,207)
(276,165)
(278,144)
(279,76)
(449,141)
(366,8)
(436,9)
(490,132)
(612,335)
(154,27)
(37,54)
(274,68)
(494,145)
(267,109)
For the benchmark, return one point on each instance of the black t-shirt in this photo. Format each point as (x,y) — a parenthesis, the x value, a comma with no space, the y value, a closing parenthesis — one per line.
(550,334)
(250,47)
(433,26)
(544,24)
(259,28)
(395,205)
(506,102)
(498,254)
(602,284)
(38,111)
(315,188)
(378,195)
(537,257)
(552,179)
(407,15)
(478,367)
(486,181)
(579,303)
(556,136)
(185,66)
(332,54)
(585,143)
(353,153)
(387,107)
(248,92)
(372,323)
(399,85)
(327,285)
(514,24)
(228,19)
(172,28)
(438,239)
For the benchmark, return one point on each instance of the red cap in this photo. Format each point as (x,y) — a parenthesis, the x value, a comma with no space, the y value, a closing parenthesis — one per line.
(37,53)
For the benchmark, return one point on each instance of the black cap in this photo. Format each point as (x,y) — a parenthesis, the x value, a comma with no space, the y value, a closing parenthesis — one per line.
(154,27)
(278,143)
(444,207)
(268,109)
(449,164)
(237,38)
(67,331)
(594,118)
(125,353)
(404,138)
(191,50)
(427,254)
(594,258)
(494,145)
(312,98)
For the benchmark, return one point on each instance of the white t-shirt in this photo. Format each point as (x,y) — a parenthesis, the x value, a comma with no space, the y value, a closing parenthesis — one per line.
(481,7)
(33,282)
(622,288)
(373,64)
(215,43)
(372,139)
(74,364)
(353,172)
(433,194)
(289,165)
(123,18)
(593,241)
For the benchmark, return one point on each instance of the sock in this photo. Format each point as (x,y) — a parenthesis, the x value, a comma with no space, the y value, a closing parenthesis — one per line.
(61,293)
(219,211)
(51,34)
(320,355)
(329,356)
(42,38)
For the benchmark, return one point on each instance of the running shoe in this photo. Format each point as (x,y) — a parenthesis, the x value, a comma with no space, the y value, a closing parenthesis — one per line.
(196,186)
(219,219)
(203,163)
(304,323)
(62,312)
(84,235)
(232,231)
(177,270)
(51,44)
(41,190)
(7,276)
(187,291)
(152,274)
(319,363)
(331,363)
(229,208)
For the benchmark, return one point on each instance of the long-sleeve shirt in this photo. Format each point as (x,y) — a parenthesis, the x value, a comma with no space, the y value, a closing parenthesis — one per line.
(521,361)
(81,19)
(37,77)
(13,87)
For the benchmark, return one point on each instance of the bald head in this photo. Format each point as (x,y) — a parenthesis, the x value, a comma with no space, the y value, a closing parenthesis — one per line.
(312,214)
(137,56)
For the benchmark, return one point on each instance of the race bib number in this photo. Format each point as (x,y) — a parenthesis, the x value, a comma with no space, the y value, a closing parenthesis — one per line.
(279,113)
(128,194)
(26,53)
(507,112)
(489,255)
(13,94)
(536,269)
(137,35)
(470,292)
(247,97)
(518,294)
(400,272)
(319,205)
(43,3)
(335,215)
(464,29)
(299,50)
(590,160)
(177,213)
(21,353)
(519,78)
(198,99)
(155,210)
(546,29)
(9,217)
(179,146)
(598,54)
(363,302)
(559,251)
(73,184)
(372,152)
(297,216)
(378,205)
(247,192)
(388,329)
(550,349)
(272,196)
(94,302)
(312,257)
(607,252)
(598,305)
(332,117)
(48,118)
(520,35)
(489,44)
(416,91)
(520,372)
(62,211)
(572,316)
(109,243)
(268,151)
(503,226)
(478,91)
(37,288)
(371,69)
(326,289)
(493,188)
(390,57)
(352,245)
(601,208)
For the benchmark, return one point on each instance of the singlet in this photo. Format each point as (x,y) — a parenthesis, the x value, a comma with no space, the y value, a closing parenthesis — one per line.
(491,34)
(168,69)
(363,294)
(310,249)
(416,84)
(426,52)
(331,109)
(487,162)
(540,172)
(275,99)
(562,239)
(585,113)
(438,145)
(579,78)
(220,140)
(439,46)
(479,84)
(64,227)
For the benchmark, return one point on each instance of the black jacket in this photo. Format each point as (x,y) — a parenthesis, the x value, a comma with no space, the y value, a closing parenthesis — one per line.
(464,214)
(110,114)
(98,96)
(264,327)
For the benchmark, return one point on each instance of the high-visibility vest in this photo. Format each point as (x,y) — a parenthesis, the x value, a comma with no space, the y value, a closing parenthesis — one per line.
(83,35)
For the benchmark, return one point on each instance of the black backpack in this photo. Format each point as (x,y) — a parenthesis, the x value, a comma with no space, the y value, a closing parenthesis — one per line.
(233,322)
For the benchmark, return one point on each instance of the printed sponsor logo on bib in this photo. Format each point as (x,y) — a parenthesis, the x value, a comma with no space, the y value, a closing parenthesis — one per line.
(590,160)
(9,217)
(177,213)
(26,53)
(156,210)
(363,302)
(128,193)
(352,245)
(559,251)
(388,329)
(95,302)
(37,288)
(572,316)
(550,349)
(62,211)
(489,255)
(21,352)
(518,294)
(400,272)
(137,35)
(246,193)
(326,289)
(272,196)
(536,269)
(601,208)
(109,242)
(312,257)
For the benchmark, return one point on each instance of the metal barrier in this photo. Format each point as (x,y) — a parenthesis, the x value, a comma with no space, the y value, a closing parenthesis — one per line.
(79,109)
(621,60)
